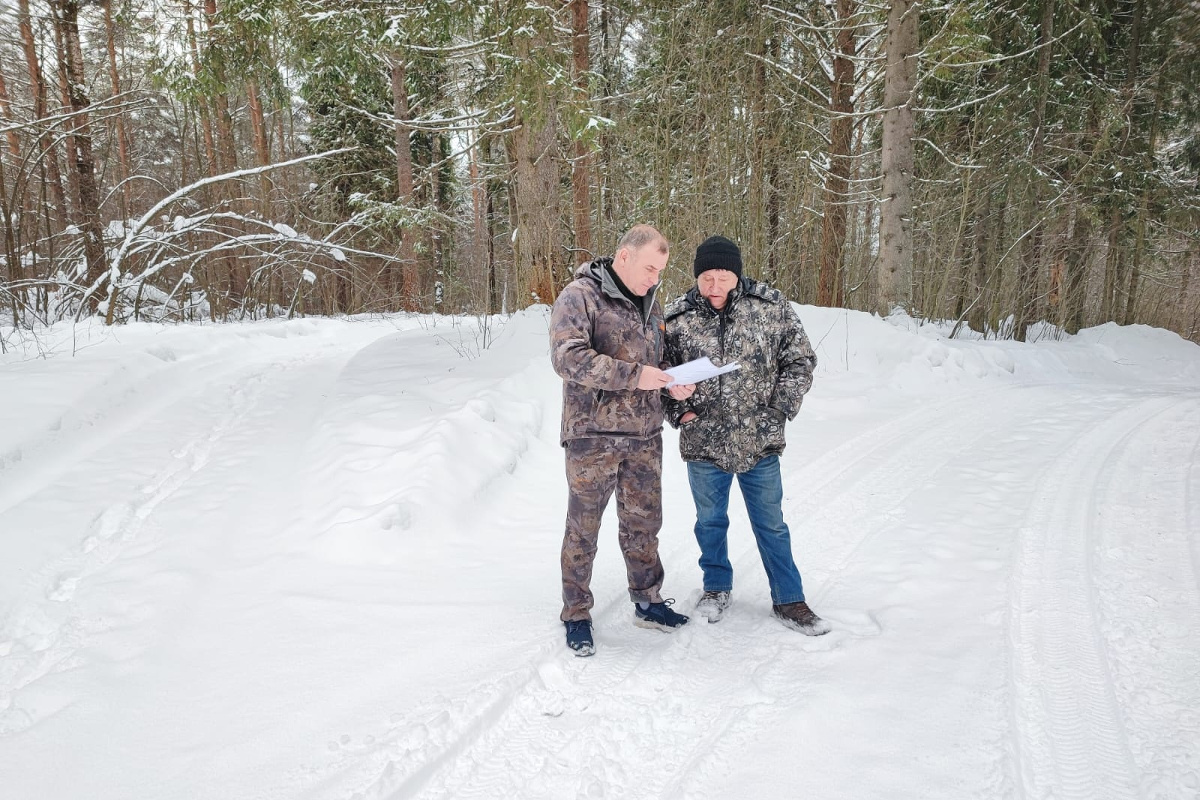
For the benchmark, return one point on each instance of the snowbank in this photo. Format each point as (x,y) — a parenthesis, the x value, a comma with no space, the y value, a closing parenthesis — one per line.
(900,353)
(388,454)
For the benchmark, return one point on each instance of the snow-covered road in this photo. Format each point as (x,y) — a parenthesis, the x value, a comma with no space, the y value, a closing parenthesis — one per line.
(319,559)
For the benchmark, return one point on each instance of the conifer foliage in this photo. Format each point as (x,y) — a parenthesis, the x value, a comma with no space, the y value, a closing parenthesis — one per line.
(997,163)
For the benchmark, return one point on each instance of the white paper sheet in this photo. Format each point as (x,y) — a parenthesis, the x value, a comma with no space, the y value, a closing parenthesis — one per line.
(699,370)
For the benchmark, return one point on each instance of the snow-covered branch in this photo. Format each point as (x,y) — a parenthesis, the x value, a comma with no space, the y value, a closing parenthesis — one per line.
(113,273)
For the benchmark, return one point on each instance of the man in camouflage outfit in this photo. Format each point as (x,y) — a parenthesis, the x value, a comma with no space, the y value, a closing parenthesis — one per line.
(606,342)
(733,425)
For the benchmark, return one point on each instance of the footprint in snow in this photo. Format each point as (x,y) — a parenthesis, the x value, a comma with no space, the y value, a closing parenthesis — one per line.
(483,409)
(396,516)
(65,589)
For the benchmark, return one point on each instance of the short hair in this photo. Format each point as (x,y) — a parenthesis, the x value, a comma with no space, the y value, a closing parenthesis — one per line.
(639,236)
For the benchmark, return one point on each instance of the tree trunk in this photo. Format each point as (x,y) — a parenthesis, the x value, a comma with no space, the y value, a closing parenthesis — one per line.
(895,216)
(1112,258)
(1111,308)
(770,168)
(262,147)
(406,286)
(837,180)
(1056,288)
(995,254)
(977,316)
(210,148)
(14,142)
(226,147)
(1185,285)
(479,231)
(66,18)
(963,290)
(606,106)
(494,298)
(1076,267)
(774,216)
(581,166)
(533,148)
(1028,271)
(122,138)
(10,220)
(1135,270)
(536,204)
(1139,247)
(436,272)
(228,279)
(750,227)
(1031,264)
(1121,264)
(37,84)
(64,88)
(21,216)
(956,269)
(284,152)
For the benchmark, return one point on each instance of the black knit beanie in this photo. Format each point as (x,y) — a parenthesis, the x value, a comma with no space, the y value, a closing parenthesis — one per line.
(717,252)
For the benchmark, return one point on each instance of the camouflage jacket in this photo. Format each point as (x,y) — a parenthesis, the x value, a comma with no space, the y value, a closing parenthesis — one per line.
(599,341)
(741,414)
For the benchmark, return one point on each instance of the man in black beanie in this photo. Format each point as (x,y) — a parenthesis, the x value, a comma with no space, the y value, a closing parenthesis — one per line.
(717,253)
(733,425)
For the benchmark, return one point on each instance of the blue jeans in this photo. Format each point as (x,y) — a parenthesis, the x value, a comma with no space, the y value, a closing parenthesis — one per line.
(762,489)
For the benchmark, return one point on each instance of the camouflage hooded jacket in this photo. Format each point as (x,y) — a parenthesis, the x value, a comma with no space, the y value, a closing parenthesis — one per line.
(741,414)
(599,341)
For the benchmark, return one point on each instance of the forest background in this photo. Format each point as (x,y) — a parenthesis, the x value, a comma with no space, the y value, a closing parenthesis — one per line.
(992,162)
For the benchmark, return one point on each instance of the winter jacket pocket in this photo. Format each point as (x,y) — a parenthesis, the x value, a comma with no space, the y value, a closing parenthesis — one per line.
(620,413)
(771,422)
(600,413)
(697,438)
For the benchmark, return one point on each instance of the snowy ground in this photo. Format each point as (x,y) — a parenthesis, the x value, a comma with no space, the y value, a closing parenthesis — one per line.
(319,559)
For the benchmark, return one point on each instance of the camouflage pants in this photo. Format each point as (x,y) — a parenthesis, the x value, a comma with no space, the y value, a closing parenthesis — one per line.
(595,468)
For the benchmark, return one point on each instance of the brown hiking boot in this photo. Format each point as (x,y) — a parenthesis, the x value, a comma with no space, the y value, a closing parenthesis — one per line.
(799,617)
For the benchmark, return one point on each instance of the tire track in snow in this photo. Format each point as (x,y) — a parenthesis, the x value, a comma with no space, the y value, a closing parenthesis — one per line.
(573,730)
(918,442)
(514,743)
(1191,511)
(628,725)
(115,409)
(862,482)
(43,636)
(1149,610)
(1069,739)
(874,493)
(423,743)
